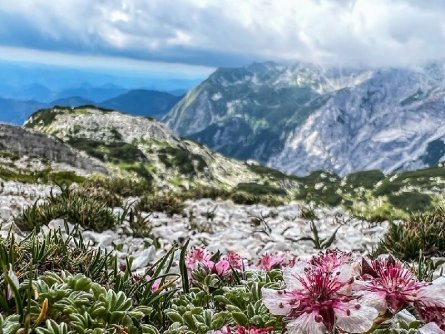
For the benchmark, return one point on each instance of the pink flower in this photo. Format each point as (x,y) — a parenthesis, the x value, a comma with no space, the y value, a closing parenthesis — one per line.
(155,285)
(330,260)
(234,260)
(388,285)
(252,330)
(222,267)
(269,262)
(223,330)
(433,315)
(316,301)
(199,256)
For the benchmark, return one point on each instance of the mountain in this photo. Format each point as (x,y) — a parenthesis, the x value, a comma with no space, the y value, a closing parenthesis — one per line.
(302,118)
(25,153)
(74,101)
(137,102)
(93,93)
(142,102)
(36,92)
(17,111)
(138,147)
(142,147)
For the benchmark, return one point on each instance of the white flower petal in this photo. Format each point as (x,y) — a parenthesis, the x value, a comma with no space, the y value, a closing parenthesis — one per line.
(13,277)
(14,280)
(355,320)
(374,299)
(277,301)
(291,275)
(305,324)
(434,294)
(344,273)
(430,328)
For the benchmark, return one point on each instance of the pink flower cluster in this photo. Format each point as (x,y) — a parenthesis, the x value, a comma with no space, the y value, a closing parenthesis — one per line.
(272,261)
(330,292)
(201,258)
(244,330)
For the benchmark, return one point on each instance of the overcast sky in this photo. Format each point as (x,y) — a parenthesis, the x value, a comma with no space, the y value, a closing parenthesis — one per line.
(199,35)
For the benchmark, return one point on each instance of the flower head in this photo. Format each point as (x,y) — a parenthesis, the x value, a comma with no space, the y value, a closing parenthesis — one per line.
(330,260)
(316,301)
(199,256)
(222,267)
(156,284)
(252,330)
(388,285)
(235,261)
(269,262)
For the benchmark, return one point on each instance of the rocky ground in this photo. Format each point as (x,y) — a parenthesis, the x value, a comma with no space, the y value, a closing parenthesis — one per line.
(250,230)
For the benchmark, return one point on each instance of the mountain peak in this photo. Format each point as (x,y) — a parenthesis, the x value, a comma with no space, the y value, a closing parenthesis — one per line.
(303,117)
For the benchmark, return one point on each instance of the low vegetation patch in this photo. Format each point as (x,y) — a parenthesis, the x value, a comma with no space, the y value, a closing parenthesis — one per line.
(46,176)
(168,203)
(187,162)
(77,207)
(421,233)
(114,152)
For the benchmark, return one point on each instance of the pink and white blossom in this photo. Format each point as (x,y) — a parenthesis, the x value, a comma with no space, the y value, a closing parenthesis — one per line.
(198,257)
(155,285)
(316,301)
(389,285)
(269,262)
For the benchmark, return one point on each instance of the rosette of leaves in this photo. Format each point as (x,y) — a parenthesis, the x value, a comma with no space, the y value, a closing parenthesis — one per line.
(192,312)
(245,304)
(76,304)
(202,309)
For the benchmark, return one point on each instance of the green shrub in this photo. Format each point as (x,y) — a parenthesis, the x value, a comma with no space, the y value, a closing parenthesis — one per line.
(205,192)
(249,199)
(169,203)
(40,177)
(123,187)
(420,233)
(259,189)
(266,171)
(188,163)
(114,152)
(76,207)
(365,179)
(411,201)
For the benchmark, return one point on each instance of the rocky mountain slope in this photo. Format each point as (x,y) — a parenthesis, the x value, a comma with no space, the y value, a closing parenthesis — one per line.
(303,118)
(146,148)
(24,151)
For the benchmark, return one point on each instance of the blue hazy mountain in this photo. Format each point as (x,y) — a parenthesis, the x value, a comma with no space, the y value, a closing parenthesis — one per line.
(143,102)
(136,102)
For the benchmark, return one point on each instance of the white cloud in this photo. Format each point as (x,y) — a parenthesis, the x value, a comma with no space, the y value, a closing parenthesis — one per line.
(370,32)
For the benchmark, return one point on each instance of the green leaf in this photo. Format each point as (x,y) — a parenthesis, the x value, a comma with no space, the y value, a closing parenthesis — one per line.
(240,318)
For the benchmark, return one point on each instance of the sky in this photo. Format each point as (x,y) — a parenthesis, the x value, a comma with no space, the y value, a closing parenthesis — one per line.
(190,38)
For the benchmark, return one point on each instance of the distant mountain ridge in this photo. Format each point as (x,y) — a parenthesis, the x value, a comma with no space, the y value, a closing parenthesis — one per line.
(301,118)
(140,102)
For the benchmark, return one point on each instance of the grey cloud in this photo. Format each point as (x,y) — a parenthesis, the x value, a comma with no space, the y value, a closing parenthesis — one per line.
(232,32)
